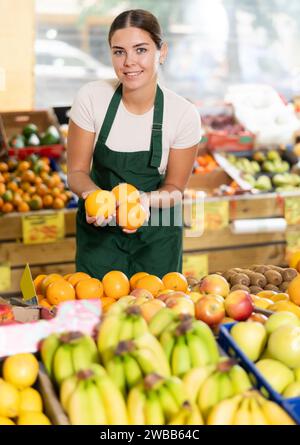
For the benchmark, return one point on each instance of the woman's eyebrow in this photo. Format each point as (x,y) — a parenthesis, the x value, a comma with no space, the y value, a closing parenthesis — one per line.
(134,46)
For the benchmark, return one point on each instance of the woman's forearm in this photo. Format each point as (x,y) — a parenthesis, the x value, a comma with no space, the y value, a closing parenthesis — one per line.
(79,182)
(166,196)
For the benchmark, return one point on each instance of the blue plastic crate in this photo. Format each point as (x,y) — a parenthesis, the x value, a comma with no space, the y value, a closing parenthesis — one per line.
(227,343)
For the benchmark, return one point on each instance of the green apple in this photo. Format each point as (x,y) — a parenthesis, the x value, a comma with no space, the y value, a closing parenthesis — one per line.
(280,319)
(292,390)
(284,345)
(251,337)
(276,373)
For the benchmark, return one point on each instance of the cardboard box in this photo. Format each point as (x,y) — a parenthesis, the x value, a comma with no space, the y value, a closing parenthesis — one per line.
(207,182)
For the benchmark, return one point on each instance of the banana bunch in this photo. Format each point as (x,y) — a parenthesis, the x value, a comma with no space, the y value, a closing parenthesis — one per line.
(134,359)
(163,320)
(250,408)
(189,344)
(117,326)
(91,398)
(227,380)
(65,354)
(159,401)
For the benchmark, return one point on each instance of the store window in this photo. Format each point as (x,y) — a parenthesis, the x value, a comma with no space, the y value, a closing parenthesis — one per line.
(212,44)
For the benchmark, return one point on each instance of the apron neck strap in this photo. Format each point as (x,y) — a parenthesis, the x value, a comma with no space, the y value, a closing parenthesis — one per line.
(110,114)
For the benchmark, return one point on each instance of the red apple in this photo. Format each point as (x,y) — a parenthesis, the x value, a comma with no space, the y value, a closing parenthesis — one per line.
(150,307)
(214,284)
(210,309)
(141,293)
(176,294)
(239,305)
(181,305)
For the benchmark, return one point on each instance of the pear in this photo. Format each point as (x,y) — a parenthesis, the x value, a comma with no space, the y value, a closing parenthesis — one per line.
(297,374)
(279,319)
(276,373)
(251,337)
(292,390)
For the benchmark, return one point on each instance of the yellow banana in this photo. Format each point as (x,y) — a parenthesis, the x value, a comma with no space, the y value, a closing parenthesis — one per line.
(148,341)
(108,336)
(113,401)
(95,405)
(256,412)
(153,411)
(176,387)
(63,363)
(168,403)
(161,321)
(194,379)
(78,406)
(118,307)
(240,379)
(81,357)
(140,326)
(136,405)
(116,372)
(67,388)
(225,386)
(199,352)
(194,417)
(48,348)
(209,394)
(275,415)
(243,415)
(201,329)
(223,413)
(132,371)
(126,330)
(180,360)
(167,341)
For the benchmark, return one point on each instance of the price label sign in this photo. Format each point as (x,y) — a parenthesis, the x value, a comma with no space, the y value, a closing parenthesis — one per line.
(38,229)
(27,286)
(216,215)
(5,276)
(292,210)
(195,265)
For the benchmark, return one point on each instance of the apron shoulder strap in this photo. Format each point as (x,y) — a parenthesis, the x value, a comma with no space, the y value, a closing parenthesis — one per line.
(156,136)
(110,114)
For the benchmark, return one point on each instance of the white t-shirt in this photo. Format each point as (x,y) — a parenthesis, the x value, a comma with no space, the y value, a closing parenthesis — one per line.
(132,132)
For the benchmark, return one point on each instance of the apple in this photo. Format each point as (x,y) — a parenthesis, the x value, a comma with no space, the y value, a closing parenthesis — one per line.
(141,293)
(210,309)
(251,337)
(292,390)
(195,296)
(150,308)
(239,305)
(214,284)
(261,318)
(276,373)
(284,345)
(181,305)
(280,319)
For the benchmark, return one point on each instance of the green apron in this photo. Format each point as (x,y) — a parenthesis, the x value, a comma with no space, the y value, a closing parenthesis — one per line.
(153,249)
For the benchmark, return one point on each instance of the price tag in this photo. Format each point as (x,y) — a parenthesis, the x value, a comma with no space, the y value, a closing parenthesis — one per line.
(216,215)
(39,229)
(195,220)
(5,276)
(27,286)
(292,210)
(195,265)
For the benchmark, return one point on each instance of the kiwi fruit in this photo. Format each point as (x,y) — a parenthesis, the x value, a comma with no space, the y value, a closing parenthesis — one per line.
(228,274)
(255,289)
(270,286)
(261,269)
(289,274)
(239,287)
(240,278)
(284,286)
(273,277)
(258,279)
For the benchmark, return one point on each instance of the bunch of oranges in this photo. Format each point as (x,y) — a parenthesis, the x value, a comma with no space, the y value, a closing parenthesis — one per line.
(31,185)
(54,288)
(123,200)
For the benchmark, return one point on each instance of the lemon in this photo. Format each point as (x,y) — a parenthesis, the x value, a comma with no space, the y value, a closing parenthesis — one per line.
(21,370)
(6,421)
(9,400)
(33,418)
(30,400)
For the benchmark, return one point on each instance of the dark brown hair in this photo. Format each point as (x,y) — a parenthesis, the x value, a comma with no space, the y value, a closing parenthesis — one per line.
(138,18)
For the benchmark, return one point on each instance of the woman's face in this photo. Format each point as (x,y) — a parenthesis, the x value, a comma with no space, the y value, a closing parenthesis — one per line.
(135,57)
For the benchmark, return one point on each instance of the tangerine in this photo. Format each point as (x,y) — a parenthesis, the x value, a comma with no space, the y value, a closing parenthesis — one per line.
(152,283)
(60,290)
(115,284)
(88,289)
(176,281)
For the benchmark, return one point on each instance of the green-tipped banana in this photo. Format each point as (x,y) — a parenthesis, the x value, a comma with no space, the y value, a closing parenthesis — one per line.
(202,330)
(209,394)
(168,403)
(136,406)
(199,352)
(176,387)
(167,340)
(153,411)
(132,370)
(194,379)
(126,330)
(78,406)
(63,363)
(180,360)
(80,357)
(96,408)
(149,342)
(91,348)
(108,336)
(67,388)
(161,321)
(225,386)
(48,348)
(140,326)
(113,401)
(146,360)
(240,379)
(116,372)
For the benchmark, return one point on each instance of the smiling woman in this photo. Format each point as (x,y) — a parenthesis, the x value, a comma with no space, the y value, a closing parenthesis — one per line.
(136,132)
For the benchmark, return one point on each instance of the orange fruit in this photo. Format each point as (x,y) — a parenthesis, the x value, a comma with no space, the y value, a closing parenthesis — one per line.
(38,281)
(88,289)
(23,207)
(28,175)
(36,203)
(3,167)
(68,275)
(42,190)
(130,216)
(152,283)
(100,203)
(126,193)
(12,185)
(116,284)
(134,279)
(44,303)
(175,281)
(47,200)
(1,202)
(21,370)
(24,165)
(77,276)
(295,257)
(294,290)
(107,302)
(60,290)
(2,188)
(17,199)
(58,203)
(7,207)
(48,280)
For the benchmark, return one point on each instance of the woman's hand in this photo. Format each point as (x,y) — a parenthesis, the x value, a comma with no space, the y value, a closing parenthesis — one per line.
(98,221)
(145,202)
